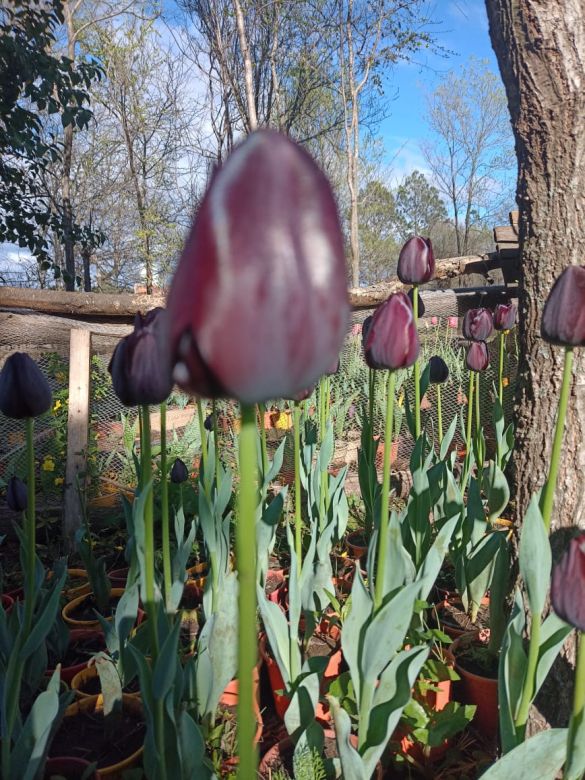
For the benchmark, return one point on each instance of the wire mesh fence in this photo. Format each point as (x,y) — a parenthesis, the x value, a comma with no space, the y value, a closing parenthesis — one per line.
(114,434)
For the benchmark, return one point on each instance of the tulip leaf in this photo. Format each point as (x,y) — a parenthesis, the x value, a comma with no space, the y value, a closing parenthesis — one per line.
(448,438)
(425,380)
(512,673)
(43,622)
(541,756)
(304,697)
(165,667)
(535,558)
(192,749)
(353,627)
(277,631)
(352,764)
(433,561)
(496,488)
(399,567)
(553,633)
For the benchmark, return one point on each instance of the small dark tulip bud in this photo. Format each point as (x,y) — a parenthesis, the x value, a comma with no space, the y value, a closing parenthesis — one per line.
(478,356)
(179,472)
(24,390)
(478,324)
(505,316)
(333,368)
(421,306)
(303,394)
(416,262)
(208,423)
(568,584)
(392,338)
(366,325)
(563,318)
(16,495)
(258,305)
(141,365)
(439,370)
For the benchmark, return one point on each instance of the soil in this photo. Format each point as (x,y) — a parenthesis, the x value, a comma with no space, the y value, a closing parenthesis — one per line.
(88,607)
(321,645)
(78,651)
(476,658)
(85,736)
(272,583)
(454,616)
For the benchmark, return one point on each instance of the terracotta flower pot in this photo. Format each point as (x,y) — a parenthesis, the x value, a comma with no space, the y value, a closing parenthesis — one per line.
(118,577)
(352,542)
(68,768)
(85,680)
(70,608)
(87,709)
(81,589)
(477,689)
(7,602)
(380,453)
(274,584)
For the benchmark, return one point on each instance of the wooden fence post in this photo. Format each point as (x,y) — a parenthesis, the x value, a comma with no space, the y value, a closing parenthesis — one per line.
(77,432)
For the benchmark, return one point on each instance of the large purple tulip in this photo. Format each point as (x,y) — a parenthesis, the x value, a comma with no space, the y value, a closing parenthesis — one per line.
(478,356)
(568,584)
(478,324)
(24,390)
(259,305)
(392,340)
(416,262)
(141,366)
(505,316)
(563,318)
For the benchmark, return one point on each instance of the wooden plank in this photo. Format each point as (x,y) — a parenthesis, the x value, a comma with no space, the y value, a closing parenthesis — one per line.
(77,433)
(505,234)
(508,251)
(514,218)
(80,304)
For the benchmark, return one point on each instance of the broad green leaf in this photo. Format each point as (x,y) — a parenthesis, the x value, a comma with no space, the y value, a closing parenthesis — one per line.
(541,756)
(352,764)
(535,558)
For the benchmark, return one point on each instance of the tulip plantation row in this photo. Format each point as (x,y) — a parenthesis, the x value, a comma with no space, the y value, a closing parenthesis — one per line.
(361,647)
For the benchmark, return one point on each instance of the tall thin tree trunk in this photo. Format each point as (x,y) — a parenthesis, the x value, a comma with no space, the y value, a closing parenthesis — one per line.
(540,46)
(67,215)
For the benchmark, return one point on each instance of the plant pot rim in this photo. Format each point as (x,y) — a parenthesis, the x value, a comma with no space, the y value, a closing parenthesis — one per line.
(71,605)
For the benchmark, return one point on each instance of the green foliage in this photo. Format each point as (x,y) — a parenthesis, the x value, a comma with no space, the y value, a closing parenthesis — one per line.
(418,206)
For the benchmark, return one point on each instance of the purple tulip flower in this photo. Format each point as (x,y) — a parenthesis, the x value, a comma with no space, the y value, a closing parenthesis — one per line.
(16,495)
(505,316)
(258,305)
(563,318)
(439,371)
(179,472)
(416,262)
(478,324)
(392,340)
(568,584)
(24,390)
(478,356)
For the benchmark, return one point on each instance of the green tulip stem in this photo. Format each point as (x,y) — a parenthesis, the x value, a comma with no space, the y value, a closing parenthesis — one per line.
(439,415)
(164,498)
(30,535)
(149,584)
(416,367)
(469,411)
(297,458)
(385,496)
(572,773)
(215,441)
(477,405)
(371,403)
(501,367)
(263,447)
(246,566)
(548,493)
(202,434)
(530,678)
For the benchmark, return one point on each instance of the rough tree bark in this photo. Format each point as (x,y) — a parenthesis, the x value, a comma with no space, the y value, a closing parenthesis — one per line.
(540,46)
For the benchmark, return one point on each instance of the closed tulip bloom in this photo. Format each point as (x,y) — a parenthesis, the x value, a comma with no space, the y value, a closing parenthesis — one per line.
(478,356)
(568,584)
(563,318)
(208,422)
(367,324)
(141,364)
(421,306)
(392,341)
(478,324)
(24,390)
(16,495)
(505,316)
(179,472)
(258,305)
(334,367)
(439,370)
(302,395)
(416,262)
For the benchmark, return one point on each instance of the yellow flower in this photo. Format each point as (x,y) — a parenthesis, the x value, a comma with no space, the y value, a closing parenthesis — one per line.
(59,481)
(283,422)
(48,464)
(60,376)
(505,381)
(57,406)
(400,400)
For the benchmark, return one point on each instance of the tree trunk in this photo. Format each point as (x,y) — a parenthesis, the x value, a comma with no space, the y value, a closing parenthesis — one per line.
(67,215)
(540,46)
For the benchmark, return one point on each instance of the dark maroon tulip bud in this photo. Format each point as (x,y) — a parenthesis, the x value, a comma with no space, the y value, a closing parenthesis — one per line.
(208,422)
(478,324)
(568,584)
(478,356)
(24,390)
(392,339)
(141,365)
(505,316)
(421,307)
(302,395)
(258,305)
(439,370)
(416,262)
(563,318)
(16,495)
(366,325)
(179,472)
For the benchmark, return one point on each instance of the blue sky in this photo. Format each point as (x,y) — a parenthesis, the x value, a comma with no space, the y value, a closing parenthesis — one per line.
(462,28)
